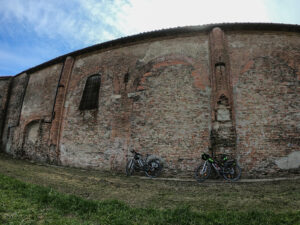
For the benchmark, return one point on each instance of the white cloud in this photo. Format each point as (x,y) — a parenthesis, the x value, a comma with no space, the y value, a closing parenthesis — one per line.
(94,21)
(74,24)
(145,15)
(53,20)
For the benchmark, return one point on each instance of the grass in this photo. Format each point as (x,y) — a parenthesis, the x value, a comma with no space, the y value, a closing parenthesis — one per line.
(36,194)
(22,203)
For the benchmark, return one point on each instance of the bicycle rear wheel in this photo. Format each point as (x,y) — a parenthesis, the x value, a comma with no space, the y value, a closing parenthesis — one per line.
(203,171)
(154,168)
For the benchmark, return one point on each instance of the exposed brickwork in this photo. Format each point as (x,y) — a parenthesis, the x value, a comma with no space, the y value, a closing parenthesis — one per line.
(11,138)
(171,117)
(237,91)
(4,95)
(267,98)
(31,102)
(103,137)
(37,112)
(40,94)
(223,134)
(35,138)
(54,153)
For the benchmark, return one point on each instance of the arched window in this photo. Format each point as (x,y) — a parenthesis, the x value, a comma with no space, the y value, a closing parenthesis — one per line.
(89,99)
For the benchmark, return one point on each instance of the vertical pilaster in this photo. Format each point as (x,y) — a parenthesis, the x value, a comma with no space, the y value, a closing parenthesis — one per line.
(59,109)
(223,134)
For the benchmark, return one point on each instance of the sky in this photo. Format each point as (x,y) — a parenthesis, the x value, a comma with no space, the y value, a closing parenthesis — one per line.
(35,31)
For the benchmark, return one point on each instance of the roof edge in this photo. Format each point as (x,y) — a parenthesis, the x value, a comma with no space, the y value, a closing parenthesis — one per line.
(169,33)
(5,77)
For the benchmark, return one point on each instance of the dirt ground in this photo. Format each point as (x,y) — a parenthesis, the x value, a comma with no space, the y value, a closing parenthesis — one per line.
(139,192)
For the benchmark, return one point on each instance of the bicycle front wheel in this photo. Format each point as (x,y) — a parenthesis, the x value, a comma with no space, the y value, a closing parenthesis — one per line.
(130,167)
(232,173)
(203,171)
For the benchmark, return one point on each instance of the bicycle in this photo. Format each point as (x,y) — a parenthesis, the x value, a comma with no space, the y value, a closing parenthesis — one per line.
(226,167)
(151,165)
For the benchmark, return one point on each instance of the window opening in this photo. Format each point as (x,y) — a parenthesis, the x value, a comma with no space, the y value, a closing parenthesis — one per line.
(90,94)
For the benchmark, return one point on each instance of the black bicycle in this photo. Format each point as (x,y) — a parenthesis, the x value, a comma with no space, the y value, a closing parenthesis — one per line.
(151,165)
(228,168)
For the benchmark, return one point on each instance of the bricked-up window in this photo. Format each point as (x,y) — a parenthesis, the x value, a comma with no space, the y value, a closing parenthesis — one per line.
(90,94)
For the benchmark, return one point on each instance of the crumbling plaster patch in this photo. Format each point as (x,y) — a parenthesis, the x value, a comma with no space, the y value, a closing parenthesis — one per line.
(292,161)
(33,133)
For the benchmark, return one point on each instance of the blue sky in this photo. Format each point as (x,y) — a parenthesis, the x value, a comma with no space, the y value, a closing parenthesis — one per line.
(35,31)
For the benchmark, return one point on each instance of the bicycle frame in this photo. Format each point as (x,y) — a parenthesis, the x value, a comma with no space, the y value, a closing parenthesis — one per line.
(229,169)
(215,165)
(151,166)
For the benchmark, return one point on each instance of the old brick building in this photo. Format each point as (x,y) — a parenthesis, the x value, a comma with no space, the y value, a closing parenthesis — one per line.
(172,93)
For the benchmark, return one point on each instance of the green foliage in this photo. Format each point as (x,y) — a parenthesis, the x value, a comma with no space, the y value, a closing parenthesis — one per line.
(22,203)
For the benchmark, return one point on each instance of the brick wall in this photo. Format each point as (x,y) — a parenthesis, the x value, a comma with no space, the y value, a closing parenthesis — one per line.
(40,94)
(29,113)
(11,139)
(163,108)
(237,91)
(4,95)
(37,112)
(266,72)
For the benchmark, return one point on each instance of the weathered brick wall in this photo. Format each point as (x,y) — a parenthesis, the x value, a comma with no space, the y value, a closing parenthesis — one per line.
(4,87)
(29,113)
(171,116)
(172,97)
(162,109)
(36,114)
(58,111)
(11,139)
(86,135)
(266,74)
(40,94)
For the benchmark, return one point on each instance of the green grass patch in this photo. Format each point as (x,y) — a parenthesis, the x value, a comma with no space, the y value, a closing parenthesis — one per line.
(23,203)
